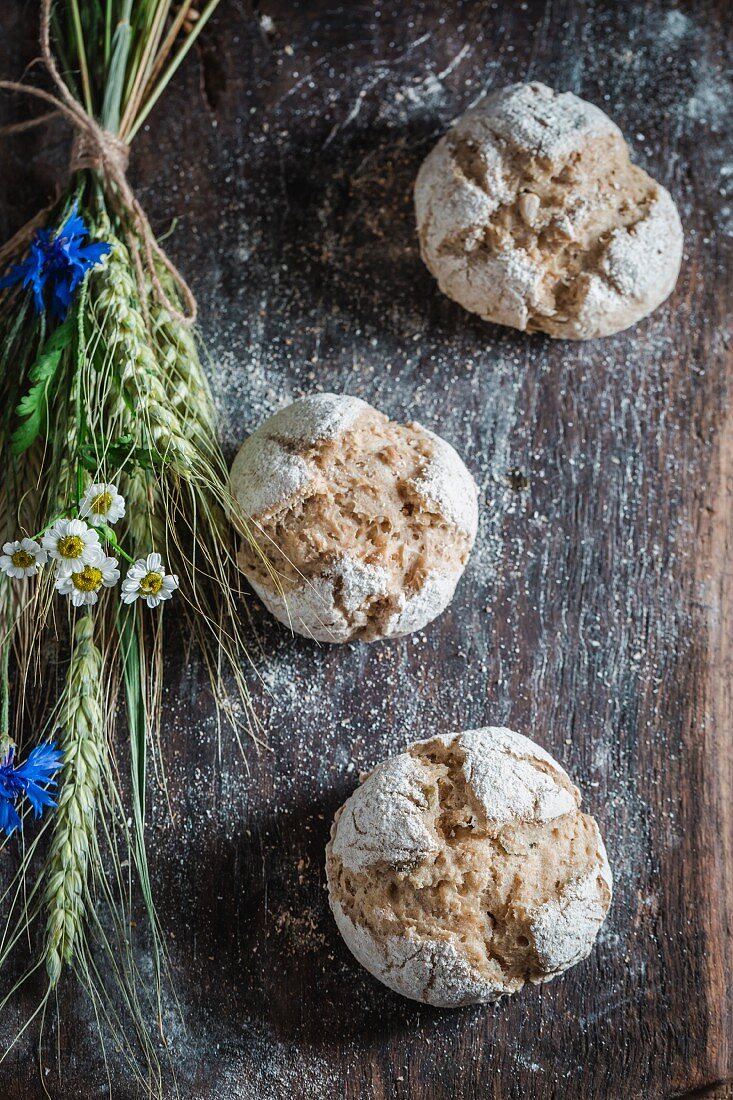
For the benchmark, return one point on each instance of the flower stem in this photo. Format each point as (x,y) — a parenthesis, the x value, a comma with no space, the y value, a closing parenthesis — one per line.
(112,540)
(5,668)
(59,515)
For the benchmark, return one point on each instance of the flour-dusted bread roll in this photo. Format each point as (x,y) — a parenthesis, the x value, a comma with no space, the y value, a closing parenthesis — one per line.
(530,214)
(363,526)
(463,868)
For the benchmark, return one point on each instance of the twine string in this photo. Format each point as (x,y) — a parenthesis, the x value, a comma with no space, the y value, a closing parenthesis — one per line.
(101,151)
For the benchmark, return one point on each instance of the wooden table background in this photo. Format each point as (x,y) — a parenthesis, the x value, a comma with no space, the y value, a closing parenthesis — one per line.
(596,611)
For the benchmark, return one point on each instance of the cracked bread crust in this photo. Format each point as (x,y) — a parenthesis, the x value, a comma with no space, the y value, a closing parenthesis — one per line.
(463,868)
(530,213)
(363,526)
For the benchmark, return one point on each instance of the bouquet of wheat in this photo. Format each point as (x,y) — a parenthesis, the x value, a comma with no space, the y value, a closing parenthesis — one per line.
(114,501)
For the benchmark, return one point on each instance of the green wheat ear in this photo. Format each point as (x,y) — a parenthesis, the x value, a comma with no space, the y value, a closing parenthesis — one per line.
(145,407)
(74,841)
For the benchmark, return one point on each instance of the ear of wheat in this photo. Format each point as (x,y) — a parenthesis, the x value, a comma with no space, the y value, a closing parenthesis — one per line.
(74,840)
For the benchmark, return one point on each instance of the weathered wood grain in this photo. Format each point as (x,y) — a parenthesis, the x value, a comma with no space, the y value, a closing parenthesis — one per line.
(596,614)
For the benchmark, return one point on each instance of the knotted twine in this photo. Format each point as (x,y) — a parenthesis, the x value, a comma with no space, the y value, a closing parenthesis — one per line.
(101,151)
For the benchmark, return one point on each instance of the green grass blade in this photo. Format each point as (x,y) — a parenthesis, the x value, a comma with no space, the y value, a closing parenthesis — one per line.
(131,656)
(173,67)
(110,117)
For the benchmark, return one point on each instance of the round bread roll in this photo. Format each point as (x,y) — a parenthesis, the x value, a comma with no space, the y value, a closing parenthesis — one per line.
(362,526)
(530,213)
(463,868)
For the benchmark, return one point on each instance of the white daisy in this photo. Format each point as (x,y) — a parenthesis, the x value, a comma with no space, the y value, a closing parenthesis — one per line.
(148,580)
(102,504)
(22,558)
(72,544)
(82,587)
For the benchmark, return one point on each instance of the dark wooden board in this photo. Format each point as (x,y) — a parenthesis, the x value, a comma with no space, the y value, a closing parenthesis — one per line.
(596,614)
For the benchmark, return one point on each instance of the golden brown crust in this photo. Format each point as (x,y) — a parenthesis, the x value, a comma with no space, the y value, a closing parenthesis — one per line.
(430,859)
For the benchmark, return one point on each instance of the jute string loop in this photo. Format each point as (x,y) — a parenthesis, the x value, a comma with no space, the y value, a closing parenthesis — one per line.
(98,150)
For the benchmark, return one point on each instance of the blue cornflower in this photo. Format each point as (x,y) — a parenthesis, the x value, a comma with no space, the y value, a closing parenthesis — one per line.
(56,263)
(25,781)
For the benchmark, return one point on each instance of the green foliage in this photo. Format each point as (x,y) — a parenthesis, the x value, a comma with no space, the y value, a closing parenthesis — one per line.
(33,406)
(120,454)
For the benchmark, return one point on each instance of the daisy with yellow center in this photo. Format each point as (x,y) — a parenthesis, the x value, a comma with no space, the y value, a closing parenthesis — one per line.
(83,587)
(102,505)
(72,544)
(147,580)
(22,558)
